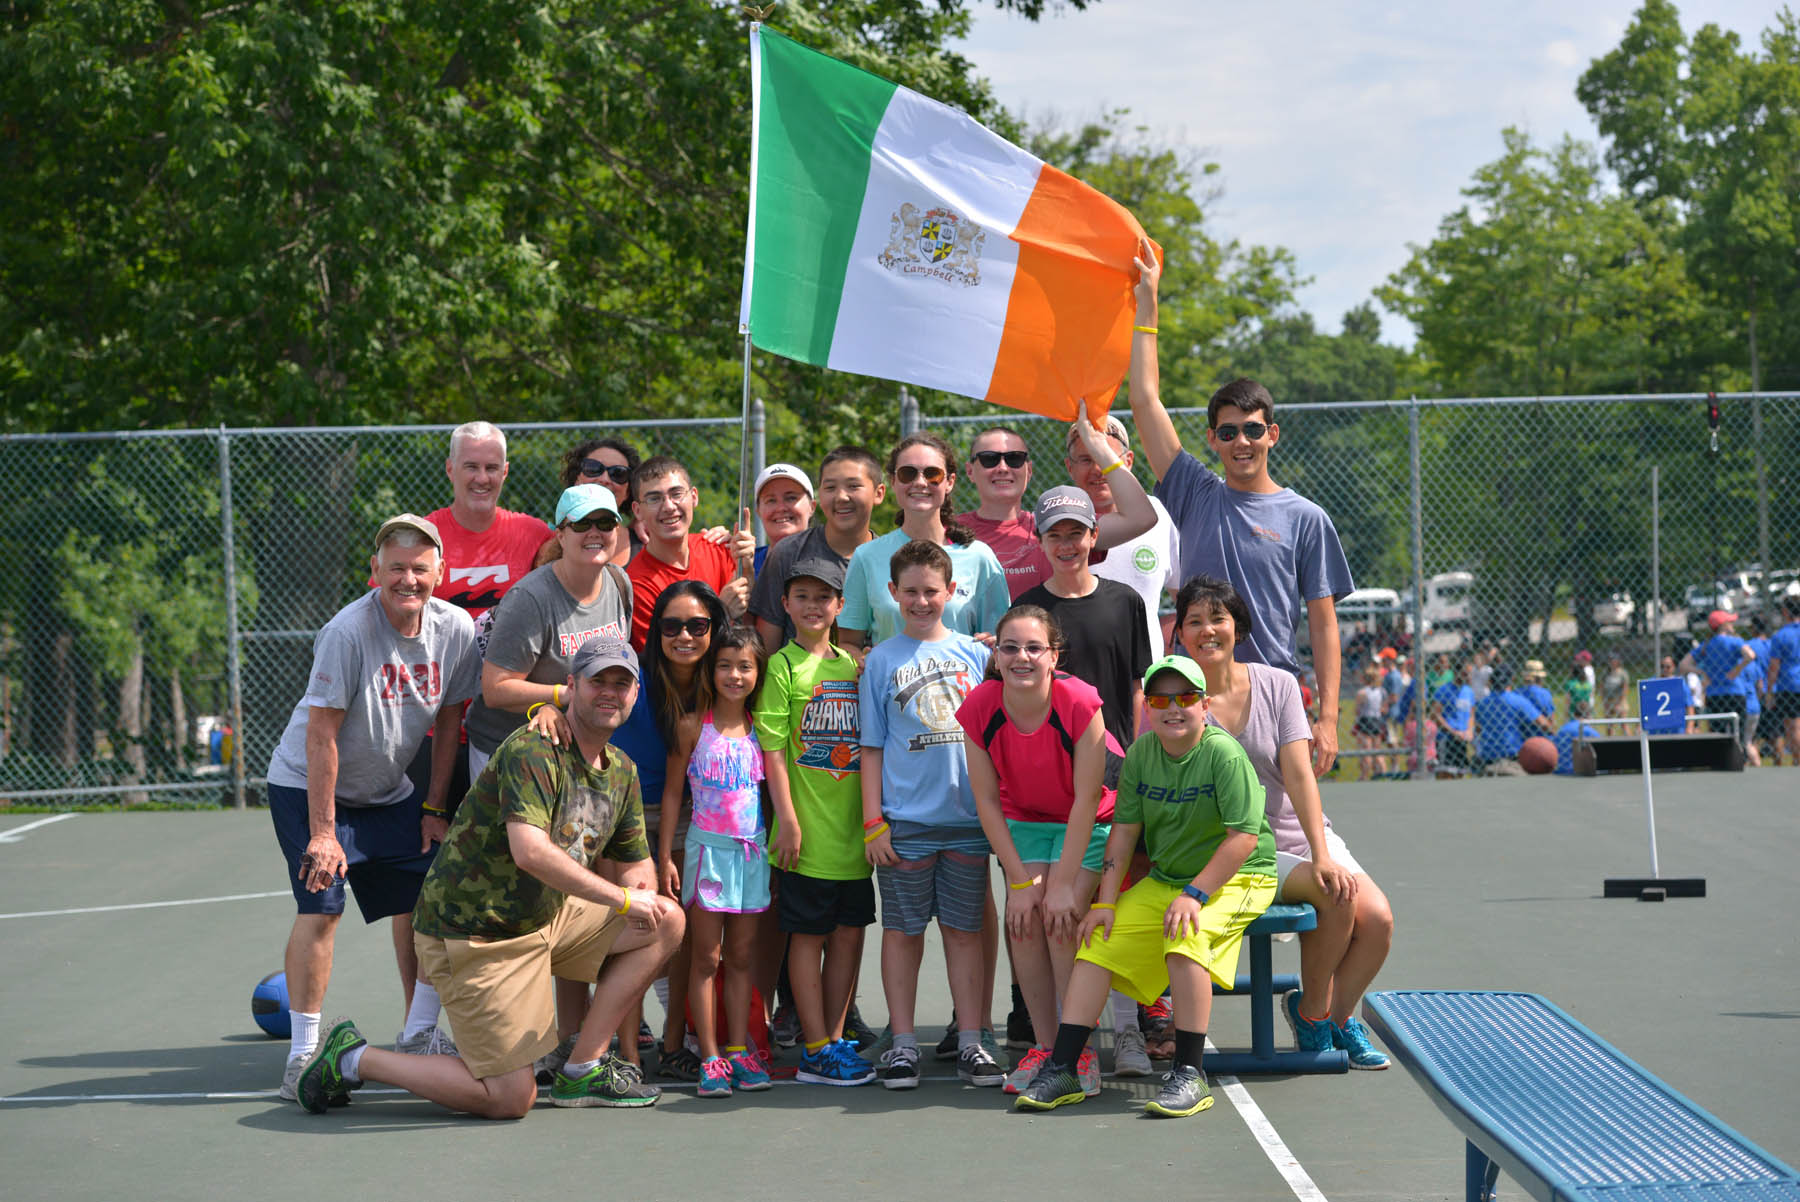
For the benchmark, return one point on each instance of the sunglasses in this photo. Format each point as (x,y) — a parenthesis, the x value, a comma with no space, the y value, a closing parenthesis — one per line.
(1012,459)
(1028,650)
(1162,701)
(693,627)
(618,473)
(605,523)
(1230,430)
(907,473)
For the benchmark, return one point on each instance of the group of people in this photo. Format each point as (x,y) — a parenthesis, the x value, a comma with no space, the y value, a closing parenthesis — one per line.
(694,764)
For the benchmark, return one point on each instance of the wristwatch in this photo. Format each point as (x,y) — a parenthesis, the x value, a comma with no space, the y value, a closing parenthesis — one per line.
(1195,892)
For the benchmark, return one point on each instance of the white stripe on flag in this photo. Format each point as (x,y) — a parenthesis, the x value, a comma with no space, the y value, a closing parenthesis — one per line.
(896,318)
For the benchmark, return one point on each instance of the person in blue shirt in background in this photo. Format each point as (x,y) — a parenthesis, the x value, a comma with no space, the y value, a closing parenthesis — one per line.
(1721,661)
(1453,705)
(1564,738)
(1504,719)
(1784,677)
(1534,690)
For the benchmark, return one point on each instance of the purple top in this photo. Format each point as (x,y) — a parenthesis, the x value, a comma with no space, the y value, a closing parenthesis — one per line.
(1276,717)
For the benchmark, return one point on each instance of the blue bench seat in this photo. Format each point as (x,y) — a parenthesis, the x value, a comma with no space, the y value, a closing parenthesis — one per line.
(1562,1112)
(1261,985)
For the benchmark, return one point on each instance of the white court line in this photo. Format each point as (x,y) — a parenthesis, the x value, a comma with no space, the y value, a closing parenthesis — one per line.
(188,901)
(12,836)
(1285,1162)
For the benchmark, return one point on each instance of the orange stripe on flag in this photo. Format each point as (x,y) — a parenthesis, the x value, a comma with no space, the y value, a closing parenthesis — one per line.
(1068,321)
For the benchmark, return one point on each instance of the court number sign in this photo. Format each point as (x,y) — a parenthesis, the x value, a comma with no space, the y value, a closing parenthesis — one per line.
(1662,705)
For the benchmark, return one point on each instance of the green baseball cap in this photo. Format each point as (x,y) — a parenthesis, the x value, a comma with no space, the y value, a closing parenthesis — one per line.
(1190,671)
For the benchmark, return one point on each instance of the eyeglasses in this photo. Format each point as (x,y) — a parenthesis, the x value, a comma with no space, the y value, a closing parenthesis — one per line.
(1012,459)
(693,627)
(673,496)
(1162,701)
(907,473)
(1028,650)
(618,473)
(605,523)
(1230,430)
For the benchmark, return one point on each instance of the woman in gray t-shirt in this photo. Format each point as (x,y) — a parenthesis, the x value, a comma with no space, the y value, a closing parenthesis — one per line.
(546,617)
(1260,707)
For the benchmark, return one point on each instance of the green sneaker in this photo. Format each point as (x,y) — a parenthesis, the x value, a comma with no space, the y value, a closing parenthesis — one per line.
(612,1082)
(321,1077)
(1055,1085)
(1183,1093)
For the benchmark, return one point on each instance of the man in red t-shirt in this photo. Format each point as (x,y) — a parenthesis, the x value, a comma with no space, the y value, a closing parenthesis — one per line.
(486,548)
(664,499)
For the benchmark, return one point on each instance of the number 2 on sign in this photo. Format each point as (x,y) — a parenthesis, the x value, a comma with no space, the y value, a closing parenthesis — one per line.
(1662,704)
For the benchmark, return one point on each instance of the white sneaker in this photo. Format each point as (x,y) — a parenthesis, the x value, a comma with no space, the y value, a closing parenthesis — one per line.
(1130,1059)
(430,1042)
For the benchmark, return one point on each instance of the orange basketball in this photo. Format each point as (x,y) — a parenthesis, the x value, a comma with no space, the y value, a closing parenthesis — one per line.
(1538,755)
(843,756)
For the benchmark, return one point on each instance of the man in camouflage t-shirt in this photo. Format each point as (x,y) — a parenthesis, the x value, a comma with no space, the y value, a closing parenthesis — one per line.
(515,898)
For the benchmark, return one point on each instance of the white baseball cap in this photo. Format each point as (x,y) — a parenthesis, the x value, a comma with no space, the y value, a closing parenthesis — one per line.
(781,471)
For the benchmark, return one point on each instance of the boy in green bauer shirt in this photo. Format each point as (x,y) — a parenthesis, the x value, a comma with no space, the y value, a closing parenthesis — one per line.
(806,723)
(1191,790)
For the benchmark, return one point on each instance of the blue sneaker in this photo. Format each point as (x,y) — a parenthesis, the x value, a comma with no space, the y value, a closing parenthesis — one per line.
(715,1078)
(748,1072)
(1353,1038)
(1309,1036)
(835,1064)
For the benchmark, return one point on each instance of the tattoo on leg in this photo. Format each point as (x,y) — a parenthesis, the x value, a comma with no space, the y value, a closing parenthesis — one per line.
(1108,864)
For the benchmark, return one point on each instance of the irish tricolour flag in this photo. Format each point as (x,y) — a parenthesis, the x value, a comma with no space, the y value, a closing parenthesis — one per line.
(894,236)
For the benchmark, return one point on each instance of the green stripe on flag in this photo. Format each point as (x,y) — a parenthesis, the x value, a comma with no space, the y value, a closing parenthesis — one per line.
(816,122)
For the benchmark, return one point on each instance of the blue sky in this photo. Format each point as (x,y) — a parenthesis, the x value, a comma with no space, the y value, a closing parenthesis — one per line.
(1343,131)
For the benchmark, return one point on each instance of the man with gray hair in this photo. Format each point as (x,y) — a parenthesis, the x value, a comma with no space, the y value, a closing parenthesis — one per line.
(486,548)
(389,666)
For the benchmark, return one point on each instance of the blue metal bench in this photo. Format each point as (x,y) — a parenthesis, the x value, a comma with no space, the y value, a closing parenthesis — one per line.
(1563,1112)
(1261,986)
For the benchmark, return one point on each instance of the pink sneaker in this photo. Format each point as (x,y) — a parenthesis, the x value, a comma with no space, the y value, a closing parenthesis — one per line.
(749,1071)
(1088,1069)
(1029,1064)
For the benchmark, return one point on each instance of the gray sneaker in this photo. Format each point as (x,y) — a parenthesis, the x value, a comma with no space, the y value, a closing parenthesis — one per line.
(430,1042)
(1129,1056)
(551,1062)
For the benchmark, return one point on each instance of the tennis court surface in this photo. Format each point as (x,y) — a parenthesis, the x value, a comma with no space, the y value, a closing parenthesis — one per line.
(130,1066)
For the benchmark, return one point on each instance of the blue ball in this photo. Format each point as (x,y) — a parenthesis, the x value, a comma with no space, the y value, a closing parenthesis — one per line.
(269,1006)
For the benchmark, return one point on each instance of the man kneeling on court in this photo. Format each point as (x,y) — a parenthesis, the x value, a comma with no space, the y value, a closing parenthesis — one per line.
(516,897)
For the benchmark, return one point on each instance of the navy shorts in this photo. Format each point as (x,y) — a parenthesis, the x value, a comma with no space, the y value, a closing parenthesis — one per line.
(381,846)
(810,905)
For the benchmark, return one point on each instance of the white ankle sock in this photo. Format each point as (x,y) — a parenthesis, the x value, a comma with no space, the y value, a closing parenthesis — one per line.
(305,1034)
(350,1062)
(661,986)
(1124,1012)
(579,1068)
(422,1015)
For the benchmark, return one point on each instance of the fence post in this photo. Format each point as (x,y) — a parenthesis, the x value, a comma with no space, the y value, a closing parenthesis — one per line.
(1421,699)
(909,413)
(759,458)
(1656,603)
(233,666)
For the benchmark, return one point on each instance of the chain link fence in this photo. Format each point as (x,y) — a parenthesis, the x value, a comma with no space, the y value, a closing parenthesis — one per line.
(148,570)
(151,570)
(1538,526)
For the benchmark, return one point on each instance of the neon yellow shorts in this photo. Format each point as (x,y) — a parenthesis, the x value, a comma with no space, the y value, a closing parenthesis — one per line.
(1136,953)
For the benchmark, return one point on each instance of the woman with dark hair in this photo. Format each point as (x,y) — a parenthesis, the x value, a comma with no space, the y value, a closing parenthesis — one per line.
(921,477)
(609,463)
(1259,706)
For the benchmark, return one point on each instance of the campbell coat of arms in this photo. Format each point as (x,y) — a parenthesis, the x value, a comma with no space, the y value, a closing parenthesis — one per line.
(935,242)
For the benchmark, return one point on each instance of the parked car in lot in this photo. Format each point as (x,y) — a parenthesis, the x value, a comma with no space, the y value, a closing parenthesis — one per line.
(1702,599)
(1615,610)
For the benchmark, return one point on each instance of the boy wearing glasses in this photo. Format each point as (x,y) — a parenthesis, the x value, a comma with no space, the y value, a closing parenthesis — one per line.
(664,499)
(1277,548)
(1192,792)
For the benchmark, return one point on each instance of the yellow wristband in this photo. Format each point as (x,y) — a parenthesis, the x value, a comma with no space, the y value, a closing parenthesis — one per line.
(626,908)
(1114,466)
(535,706)
(1103,905)
(556,695)
(433,811)
(1145,329)
(875,834)
(1025,884)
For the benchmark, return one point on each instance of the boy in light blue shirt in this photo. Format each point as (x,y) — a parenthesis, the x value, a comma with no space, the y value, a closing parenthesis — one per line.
(921,829)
